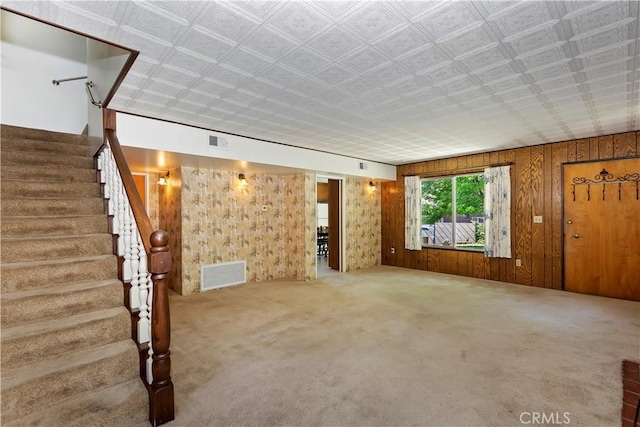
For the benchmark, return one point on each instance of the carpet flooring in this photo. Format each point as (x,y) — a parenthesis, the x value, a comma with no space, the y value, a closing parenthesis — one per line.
(389,346)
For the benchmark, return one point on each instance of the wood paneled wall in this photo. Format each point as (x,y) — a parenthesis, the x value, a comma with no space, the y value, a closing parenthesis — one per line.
(536,186)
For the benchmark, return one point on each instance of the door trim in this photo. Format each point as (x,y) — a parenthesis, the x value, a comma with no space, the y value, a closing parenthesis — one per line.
(342,179)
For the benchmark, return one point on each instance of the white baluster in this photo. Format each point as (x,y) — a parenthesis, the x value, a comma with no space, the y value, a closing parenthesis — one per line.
(119,223)
(134,291)
(126,228)
(144,324)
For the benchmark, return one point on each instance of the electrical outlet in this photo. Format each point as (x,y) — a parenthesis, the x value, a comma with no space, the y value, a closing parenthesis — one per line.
(518,262)
(537,219)
(393,250)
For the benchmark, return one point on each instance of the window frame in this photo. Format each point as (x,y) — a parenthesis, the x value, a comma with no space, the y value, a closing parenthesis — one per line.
(454,207)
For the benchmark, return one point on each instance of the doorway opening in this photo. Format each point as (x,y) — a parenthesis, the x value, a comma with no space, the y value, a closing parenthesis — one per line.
(329,224)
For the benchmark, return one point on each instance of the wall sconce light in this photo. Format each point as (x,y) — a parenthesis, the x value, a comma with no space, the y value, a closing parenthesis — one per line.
(372,186)
(243,181)
(164,180)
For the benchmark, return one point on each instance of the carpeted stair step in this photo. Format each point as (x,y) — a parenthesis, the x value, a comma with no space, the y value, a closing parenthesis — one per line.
(28,158)
(47,173)
(8,131)
(97,408)
(42,207)
(42,304)
(33,342)
(42,226)
(45,248)
(43,189)
(20,276)
(51,147)
(43,384)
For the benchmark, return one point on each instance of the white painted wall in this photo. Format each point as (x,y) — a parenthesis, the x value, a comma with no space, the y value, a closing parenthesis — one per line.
(30,99)
(153,134)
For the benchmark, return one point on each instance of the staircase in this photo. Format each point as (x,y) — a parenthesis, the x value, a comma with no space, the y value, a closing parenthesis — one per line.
(67,353)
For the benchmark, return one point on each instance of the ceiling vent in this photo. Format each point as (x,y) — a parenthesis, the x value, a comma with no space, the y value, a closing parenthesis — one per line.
(363,166)
(218,142)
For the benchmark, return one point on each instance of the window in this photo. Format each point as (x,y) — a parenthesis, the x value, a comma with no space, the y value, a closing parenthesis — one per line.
(453,212)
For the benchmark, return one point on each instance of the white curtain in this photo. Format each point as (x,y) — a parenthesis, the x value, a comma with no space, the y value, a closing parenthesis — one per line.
(412,212)
(497,205)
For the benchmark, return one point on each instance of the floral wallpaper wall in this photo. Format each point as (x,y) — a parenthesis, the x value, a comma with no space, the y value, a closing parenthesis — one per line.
(222,222)
(310,271)
(170,220)
(362,224)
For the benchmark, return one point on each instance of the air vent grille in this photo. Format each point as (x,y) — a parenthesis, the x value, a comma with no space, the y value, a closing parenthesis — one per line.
(223,274)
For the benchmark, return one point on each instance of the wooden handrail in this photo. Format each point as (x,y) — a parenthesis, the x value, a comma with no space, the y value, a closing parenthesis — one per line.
(139,211)
(156,246)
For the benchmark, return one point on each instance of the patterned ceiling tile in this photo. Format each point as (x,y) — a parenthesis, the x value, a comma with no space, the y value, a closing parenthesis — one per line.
(545,36)
(333,75)
(423,60)
(505,85)
(605,14)
(180,59)
(549,72)
(525,17)
(298,20)
(258,8)
(448,18)
(258,88)
(227,76)
(401,41)
(335,43)
(155,22)
(471,75)
(268,43)
(336,8)
(471,40)
(373,20)
(224,21)
(201,42)
(211,88)
(603,39)
(485,58)
(177,76)
(540,58)
(364,60)
(308,87)
(304,61)
(616,54)
(246,61)
(280,76)
(387,74)
(443,74)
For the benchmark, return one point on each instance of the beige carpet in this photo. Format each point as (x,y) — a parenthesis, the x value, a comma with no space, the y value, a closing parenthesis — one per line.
(397,347)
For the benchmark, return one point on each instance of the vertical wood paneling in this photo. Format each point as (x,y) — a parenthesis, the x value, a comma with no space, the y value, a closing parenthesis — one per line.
(624,144)
(582,150)
(605,144)
(548,213)
(536,190)
(571,151)
(537,205)
(523,215)
(594,149)
(558,156)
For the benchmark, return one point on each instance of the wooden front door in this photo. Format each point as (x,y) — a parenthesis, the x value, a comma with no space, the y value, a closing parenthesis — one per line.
(602,228)
(335,224)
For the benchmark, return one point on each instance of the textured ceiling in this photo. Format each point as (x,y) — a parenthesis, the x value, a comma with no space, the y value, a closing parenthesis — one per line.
(389,81)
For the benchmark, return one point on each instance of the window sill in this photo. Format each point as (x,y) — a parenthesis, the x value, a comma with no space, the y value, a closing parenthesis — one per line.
(450,248)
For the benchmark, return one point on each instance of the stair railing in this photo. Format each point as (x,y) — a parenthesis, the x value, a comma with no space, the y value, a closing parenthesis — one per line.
(145,260)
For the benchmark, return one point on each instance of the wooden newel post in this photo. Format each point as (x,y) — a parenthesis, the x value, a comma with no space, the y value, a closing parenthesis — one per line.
(161,389)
